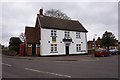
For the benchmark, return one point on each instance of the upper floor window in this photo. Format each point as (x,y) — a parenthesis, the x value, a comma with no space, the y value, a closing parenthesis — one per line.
(53,32)
(53,35)
(78,35)
(78,47)
(67,34)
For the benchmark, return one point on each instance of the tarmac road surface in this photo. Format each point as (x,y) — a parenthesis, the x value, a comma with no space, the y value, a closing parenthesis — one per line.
(104,67)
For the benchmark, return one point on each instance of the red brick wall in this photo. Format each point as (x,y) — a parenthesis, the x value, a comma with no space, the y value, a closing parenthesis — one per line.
(38,51)
(29,51)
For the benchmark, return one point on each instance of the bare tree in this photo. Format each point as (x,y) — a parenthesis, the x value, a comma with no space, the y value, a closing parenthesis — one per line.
(57,14)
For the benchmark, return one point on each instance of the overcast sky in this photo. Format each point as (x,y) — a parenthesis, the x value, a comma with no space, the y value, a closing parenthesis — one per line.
(96,17)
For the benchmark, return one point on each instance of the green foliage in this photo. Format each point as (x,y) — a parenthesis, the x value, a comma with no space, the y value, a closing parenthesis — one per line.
(108,39)
(14,43)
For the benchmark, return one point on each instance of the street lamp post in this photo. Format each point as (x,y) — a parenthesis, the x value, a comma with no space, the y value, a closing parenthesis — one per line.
(94,41)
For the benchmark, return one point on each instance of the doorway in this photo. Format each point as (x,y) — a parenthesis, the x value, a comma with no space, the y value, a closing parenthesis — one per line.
(67,50)
(34,49)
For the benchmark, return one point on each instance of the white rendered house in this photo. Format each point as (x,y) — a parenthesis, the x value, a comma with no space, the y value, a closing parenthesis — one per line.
(57,37)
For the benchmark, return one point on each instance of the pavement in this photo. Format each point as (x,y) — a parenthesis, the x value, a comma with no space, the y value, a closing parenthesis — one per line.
(58,58)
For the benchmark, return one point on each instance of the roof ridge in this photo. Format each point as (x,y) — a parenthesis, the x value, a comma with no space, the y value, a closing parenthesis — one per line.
(29,26)
(58,18)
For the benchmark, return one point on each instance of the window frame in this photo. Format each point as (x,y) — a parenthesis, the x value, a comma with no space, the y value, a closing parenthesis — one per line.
(53,33)
(78,47)
(67,33)
(37,45)
(54,48)
(78,35)
(53,39)
(29,45)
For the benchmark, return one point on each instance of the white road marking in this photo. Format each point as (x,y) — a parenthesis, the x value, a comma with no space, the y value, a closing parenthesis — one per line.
(48,72)
(89,60)
(6,64)
(62,61)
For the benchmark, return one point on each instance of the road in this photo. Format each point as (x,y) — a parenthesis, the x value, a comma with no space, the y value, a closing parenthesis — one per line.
(105,67)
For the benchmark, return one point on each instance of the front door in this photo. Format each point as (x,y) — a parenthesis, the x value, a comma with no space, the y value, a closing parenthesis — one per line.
(67,50)
(33,49)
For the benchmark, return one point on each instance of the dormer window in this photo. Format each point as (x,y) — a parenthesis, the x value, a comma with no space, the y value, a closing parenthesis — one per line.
(67,34)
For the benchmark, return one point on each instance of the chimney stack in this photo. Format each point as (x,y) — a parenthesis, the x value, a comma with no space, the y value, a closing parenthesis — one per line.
(41,11)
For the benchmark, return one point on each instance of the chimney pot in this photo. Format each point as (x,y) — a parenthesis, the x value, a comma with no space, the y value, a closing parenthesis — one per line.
(41,11)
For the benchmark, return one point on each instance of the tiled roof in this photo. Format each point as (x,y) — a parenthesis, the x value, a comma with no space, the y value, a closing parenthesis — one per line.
(32,34)
(61,24)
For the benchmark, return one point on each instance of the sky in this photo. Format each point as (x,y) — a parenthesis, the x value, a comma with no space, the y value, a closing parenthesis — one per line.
(96,17)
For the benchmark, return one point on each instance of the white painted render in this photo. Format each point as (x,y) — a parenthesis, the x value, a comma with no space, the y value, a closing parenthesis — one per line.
(45,46)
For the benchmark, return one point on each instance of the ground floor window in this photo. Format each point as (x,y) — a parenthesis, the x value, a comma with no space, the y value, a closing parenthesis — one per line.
(53,47)
(78,47)
(29,45)
(37,45)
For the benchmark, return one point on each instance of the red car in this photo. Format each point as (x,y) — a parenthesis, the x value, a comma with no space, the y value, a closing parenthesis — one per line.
(101,53)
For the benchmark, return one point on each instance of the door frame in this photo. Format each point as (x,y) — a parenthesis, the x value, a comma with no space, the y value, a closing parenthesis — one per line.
(67,49)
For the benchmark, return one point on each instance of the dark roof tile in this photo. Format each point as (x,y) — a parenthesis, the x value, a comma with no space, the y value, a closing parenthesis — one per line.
(62,24)
(32,34)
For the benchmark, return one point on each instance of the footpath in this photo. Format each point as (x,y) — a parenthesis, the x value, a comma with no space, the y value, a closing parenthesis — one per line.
(57,58)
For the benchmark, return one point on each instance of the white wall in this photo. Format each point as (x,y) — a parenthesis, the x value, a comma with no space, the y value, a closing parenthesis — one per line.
(45,47)
(82,41)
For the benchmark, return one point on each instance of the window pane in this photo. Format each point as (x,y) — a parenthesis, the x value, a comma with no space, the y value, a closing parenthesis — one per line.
(51,45)
(53,38)
(76,48)
(54,34)
(79,48)
(76,44)
(29,45)
(51,48)
(65,35)
(55,48)
(51,34)
(77,34)
(68,35)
